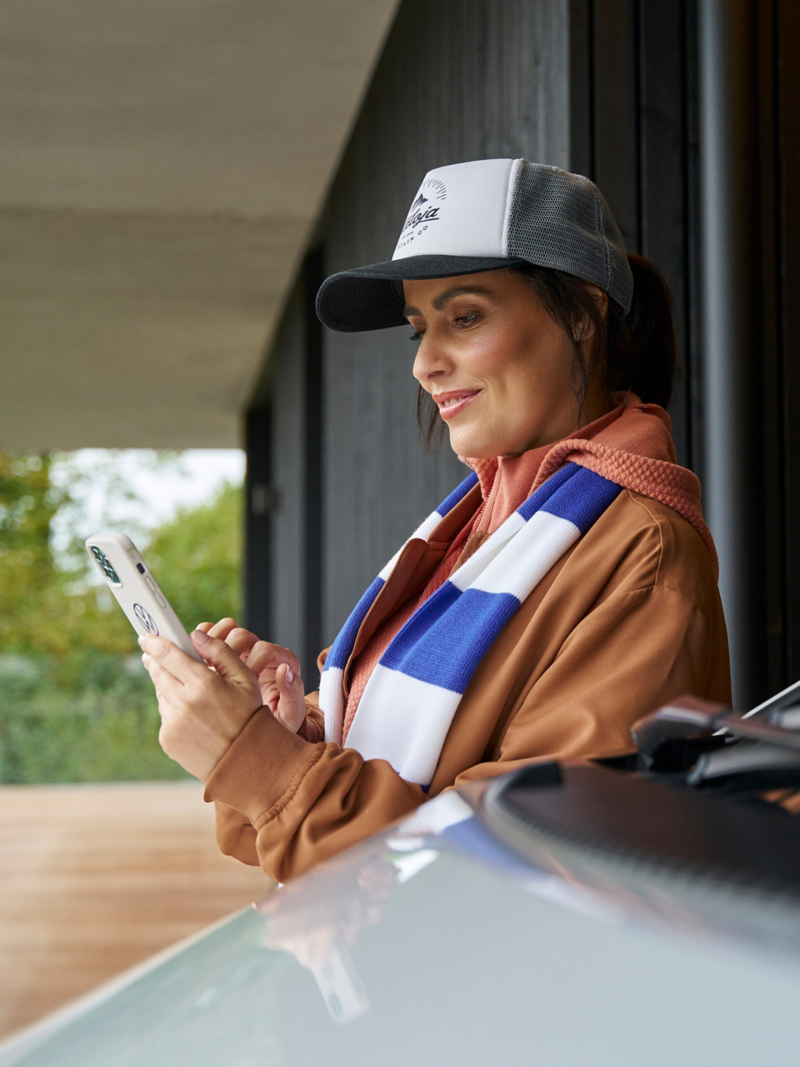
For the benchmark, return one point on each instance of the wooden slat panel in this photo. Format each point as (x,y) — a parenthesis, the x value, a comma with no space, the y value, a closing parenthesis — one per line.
(312,503)
(581,85)
(459,79)
(258,521)
(616,149)
(288,447)
(97,878)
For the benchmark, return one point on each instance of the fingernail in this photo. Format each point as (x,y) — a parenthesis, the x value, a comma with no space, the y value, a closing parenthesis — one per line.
(199,637)
(141,640)
(145,659)
(289,676)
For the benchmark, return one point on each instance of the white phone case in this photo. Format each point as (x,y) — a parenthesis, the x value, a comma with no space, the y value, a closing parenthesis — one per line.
(136,590)
(340,984)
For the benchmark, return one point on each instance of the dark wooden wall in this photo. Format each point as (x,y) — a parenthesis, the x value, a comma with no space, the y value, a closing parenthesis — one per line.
(608,88)
(634,132)
(786,85)
(457,80)
(284,484)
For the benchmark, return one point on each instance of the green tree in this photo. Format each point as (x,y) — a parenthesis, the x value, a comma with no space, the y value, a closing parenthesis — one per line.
(197,559)
(27,572)
(75,703)
(43,610)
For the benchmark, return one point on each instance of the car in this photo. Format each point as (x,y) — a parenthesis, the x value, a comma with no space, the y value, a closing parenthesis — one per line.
(566,915)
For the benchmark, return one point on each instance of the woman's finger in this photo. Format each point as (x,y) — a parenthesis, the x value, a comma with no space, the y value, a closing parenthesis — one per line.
(266,656)
(222,628)
(178,663)
(241,641)
(223,659)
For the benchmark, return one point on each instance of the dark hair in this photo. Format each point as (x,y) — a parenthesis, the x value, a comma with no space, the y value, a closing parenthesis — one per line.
(634,351)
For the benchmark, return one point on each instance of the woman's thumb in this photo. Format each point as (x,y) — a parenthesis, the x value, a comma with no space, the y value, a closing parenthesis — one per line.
(291,710)
(220,656)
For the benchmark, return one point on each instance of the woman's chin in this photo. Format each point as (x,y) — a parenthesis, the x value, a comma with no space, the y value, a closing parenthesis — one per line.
(472,445)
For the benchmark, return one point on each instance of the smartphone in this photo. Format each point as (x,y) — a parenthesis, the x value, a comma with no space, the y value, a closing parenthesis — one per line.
(136,591)
(341,985)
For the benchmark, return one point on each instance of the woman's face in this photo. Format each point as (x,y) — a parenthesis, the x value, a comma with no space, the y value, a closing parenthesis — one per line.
(496,364)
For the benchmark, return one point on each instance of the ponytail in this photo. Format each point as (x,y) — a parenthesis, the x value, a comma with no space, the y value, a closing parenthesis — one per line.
(640,346)
(631,352)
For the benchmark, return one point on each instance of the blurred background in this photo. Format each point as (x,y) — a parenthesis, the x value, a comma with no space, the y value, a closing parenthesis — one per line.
(162,166)
(176,178)
(75,703)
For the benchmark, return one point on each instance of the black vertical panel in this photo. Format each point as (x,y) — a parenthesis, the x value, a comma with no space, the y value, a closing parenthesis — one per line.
(616,113)
(287,386)
(581,87)
(287,451)
(773,565)
(258,541)
(458,79)
(691,368)
(630,96)
(736,328)
(313,517)
(788,84)
(663,176)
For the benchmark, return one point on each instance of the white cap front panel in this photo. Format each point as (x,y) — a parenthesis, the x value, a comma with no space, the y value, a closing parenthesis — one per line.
(461,210)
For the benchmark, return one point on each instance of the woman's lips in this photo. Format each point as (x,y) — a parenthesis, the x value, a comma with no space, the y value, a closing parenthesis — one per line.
(450,404)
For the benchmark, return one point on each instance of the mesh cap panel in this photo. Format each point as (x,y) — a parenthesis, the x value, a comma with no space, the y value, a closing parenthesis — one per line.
(561,220)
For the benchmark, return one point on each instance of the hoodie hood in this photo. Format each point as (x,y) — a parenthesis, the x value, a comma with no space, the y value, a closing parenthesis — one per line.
(637,452)
(632,446)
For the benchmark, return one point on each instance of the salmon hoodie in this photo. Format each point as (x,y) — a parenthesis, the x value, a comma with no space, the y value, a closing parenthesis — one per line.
(628,619)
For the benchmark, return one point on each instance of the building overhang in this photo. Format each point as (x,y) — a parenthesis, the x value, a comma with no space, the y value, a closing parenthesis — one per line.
(162,165)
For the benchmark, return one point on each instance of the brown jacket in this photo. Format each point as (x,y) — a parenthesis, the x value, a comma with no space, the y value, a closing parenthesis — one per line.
(628,619)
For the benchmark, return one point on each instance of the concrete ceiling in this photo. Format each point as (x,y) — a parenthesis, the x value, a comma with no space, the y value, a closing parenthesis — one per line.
(161,164)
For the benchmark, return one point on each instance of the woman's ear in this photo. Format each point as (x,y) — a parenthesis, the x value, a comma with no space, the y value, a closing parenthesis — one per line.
(588,326)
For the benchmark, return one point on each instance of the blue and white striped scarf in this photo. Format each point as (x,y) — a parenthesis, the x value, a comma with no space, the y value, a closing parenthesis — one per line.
(413,693)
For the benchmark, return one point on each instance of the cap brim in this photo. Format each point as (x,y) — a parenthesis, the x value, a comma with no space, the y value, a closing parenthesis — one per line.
(365,298)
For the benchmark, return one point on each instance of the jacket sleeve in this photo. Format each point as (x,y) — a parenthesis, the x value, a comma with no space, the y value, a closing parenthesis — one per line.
(234,831)
(287,803)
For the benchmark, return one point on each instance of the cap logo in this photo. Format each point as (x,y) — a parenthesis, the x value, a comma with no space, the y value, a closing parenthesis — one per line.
(422,211)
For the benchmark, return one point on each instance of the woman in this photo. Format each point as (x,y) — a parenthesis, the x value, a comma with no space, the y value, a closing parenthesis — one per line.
(564,589)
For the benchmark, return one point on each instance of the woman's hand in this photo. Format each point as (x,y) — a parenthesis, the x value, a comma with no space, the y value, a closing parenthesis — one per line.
(277,669)
(202,711)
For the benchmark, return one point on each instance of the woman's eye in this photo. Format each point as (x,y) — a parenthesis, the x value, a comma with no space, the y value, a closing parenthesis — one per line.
(417,336)
(464,320)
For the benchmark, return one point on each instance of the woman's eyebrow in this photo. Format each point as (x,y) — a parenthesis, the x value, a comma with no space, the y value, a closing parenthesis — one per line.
(442,299)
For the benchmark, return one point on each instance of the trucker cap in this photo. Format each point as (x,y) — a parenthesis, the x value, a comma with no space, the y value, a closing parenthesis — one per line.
(480,216)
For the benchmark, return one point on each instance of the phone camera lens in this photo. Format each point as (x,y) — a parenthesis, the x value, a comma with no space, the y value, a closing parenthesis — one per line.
(140,568)
(105,564)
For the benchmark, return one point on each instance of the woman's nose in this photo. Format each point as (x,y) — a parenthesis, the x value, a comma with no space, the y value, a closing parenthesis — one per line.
(429,362)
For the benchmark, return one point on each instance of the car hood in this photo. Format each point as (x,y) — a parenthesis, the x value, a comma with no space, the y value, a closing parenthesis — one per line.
(435,942)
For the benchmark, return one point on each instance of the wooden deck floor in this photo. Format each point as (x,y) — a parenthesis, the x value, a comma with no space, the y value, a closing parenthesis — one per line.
(95,878)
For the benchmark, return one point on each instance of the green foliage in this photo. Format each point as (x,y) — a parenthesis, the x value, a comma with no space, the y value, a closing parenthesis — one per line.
(49,734)
(75,703)
(30,586)
(40,611)
(196,559)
